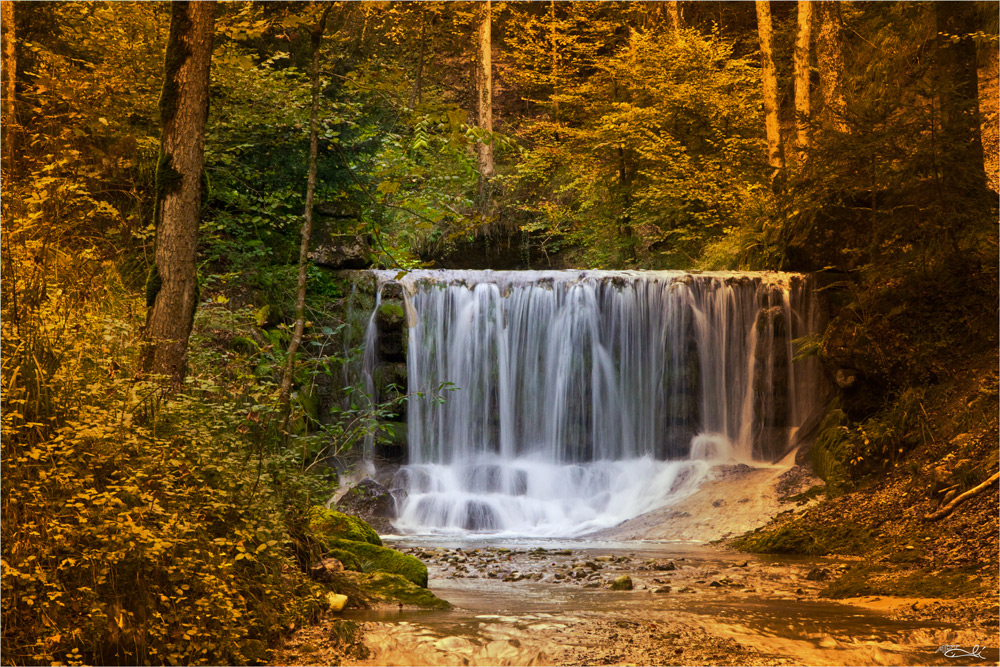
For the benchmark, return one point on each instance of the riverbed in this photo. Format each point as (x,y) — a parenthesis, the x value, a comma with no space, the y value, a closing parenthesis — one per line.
(551,602)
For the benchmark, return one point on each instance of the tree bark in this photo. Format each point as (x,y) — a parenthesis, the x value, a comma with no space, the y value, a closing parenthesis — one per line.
(674,13)
(802,111)
(554,55)
(172,289)
(415,95)
(830,63)
(958,94)
(9,80)
(300,300)
(484,94)
(769,80)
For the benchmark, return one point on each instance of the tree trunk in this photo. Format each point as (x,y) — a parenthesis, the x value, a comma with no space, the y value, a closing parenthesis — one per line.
(172,289)
(958,94)
(300,301)
(830,62)
(484,95)
(554,52)
(990,110)
(674,12)
(769,79)
(802,42)
(415,95)
(9,74)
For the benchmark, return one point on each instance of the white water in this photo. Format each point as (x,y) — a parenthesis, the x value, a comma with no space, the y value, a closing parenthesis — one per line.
(584,398)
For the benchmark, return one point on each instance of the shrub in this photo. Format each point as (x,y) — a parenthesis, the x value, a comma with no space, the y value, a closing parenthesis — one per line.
(140,526)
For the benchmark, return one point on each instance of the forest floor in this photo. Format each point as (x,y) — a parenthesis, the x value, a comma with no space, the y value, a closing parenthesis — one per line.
(886,521)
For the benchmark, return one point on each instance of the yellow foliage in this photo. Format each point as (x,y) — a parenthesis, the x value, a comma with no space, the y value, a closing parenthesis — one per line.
(137,526)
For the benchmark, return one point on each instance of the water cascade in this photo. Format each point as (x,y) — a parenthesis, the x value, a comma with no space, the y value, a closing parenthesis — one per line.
(555,403)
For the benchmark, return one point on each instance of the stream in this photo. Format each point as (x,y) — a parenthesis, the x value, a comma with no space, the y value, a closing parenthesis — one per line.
(523,602)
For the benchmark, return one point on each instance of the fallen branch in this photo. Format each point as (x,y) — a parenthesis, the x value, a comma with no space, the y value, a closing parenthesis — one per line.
(959,499)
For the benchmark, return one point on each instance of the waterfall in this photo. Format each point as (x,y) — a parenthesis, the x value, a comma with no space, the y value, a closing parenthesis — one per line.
(559,402)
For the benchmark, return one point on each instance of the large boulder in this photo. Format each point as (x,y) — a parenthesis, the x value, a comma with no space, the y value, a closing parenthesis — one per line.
(372,502)
(370,558)
(327,525)
(385,587)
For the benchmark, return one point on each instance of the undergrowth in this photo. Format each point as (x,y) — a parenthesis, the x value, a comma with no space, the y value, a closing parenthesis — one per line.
(142,524)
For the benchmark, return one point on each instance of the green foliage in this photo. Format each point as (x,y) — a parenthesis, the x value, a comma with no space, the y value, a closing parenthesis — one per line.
(847,452)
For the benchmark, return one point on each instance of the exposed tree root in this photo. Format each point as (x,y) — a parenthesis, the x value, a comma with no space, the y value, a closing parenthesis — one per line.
(961,498)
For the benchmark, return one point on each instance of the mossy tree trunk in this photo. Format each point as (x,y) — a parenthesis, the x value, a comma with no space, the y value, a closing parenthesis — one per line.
(172,287)
(300,301)
(769,79)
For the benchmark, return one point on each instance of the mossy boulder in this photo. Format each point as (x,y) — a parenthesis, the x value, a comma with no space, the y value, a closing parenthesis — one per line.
(372,558)
(386,587)
(804,539)
(327,525)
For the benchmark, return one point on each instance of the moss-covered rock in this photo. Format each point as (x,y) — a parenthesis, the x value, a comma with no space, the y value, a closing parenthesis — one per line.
(327,524)
(371,558)
(806,539)
(386,587)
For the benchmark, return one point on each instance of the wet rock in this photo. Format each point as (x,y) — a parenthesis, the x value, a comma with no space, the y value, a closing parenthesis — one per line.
(372,502)
(622,583)
(818,574)
(514,576)
(662,589)
(666,567)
